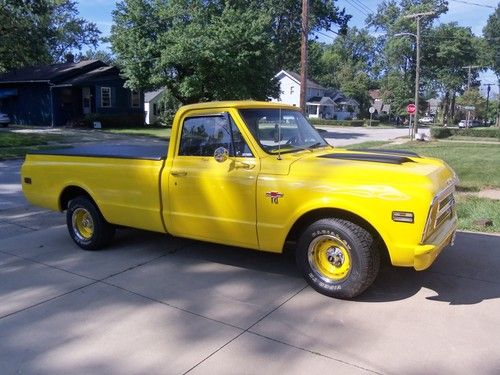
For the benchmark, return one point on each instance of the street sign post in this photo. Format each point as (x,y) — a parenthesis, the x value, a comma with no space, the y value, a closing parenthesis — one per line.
(371,110)
(411,109)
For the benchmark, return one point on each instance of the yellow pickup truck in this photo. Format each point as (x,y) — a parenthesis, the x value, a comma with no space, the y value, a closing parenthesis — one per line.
(257,175)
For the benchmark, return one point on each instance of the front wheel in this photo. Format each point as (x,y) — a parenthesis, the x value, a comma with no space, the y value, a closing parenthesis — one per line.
(86,225)
(338,258)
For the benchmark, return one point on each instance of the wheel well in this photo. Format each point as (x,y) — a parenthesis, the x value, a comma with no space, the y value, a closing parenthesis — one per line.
(70,193)
(310,217)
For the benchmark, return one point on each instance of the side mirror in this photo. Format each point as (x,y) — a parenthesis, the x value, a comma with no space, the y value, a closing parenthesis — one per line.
(221,154)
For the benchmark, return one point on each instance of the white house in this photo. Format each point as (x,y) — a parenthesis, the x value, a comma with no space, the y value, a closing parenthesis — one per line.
(152,106)
(320,103)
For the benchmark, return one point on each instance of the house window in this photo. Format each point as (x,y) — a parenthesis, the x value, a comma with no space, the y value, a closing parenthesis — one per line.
(135,99)
(106,97)
(291,90)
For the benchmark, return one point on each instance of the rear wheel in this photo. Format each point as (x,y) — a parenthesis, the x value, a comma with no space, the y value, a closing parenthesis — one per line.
(86,225)
(338,258)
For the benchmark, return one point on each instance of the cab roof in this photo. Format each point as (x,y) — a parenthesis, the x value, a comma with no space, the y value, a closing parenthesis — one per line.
(237,104)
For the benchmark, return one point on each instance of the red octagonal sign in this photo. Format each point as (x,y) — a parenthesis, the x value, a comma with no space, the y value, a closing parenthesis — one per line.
(410,108)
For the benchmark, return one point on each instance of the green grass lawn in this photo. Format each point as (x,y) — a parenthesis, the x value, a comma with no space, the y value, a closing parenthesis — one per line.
(14,139)
(14,145)
(157,132)
(470,208)
(476,164)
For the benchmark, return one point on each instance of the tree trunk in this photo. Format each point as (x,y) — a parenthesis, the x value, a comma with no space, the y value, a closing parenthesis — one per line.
(498,104)
(452,109)
(445,107)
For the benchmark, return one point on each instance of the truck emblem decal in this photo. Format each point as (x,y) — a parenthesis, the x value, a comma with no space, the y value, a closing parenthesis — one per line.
(274,195)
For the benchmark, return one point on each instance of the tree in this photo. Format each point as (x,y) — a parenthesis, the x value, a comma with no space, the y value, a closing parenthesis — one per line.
(286,26)
(472,98)
(491,34)
(39,32)
(449,48)
(104,56)
(346,64)
(206,50)
(199,50)
(397,58)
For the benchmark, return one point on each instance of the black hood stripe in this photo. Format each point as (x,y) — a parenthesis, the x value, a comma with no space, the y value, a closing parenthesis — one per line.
(392,152)
(377,158)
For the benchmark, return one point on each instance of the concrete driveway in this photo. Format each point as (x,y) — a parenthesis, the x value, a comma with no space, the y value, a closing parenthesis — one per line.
(155,304)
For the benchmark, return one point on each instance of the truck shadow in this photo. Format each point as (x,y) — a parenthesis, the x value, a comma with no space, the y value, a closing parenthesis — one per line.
(464,274)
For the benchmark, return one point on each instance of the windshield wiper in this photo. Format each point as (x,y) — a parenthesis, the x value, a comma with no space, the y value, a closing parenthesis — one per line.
(314,145)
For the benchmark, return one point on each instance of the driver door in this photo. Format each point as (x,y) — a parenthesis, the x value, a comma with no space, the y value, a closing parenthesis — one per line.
(209,199)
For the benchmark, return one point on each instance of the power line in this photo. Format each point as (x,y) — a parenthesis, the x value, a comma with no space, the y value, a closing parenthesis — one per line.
(357,7)
(363,6)
(476,4)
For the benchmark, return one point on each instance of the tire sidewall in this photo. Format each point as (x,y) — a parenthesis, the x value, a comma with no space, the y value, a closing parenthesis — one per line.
(345,288)
(92,242)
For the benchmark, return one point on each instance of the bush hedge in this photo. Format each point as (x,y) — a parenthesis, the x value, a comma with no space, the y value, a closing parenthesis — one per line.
(442,132)
(316,121)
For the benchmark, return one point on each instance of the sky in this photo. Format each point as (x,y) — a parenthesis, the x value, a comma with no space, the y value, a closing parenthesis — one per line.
(469,13)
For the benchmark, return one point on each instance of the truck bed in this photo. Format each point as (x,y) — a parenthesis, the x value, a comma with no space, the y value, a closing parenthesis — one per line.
(141,152)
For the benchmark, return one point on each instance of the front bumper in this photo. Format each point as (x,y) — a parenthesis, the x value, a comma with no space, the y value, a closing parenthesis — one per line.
(425,254)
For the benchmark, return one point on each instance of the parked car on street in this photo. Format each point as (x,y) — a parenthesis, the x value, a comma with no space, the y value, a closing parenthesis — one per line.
(426,120)
(4,120)
(472,124)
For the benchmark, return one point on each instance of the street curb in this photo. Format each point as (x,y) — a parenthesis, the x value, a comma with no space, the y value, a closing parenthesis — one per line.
(494,234)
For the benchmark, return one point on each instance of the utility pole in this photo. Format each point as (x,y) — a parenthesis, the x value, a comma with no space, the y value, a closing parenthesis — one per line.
(469,67)
(418,17)
(303,55)
(488,98)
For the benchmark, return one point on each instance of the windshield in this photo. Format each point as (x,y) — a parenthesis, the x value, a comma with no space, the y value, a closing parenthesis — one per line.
(281,130)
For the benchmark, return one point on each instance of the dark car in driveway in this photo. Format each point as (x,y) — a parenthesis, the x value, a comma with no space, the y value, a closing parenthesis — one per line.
(4,119)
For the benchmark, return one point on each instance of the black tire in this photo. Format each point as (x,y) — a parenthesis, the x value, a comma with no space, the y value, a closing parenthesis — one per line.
(86,225)
(338,258)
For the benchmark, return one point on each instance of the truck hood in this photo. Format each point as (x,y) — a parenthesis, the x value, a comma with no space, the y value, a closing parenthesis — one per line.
(380,167)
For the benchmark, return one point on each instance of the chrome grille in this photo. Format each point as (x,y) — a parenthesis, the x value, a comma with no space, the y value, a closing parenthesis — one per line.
(441,209)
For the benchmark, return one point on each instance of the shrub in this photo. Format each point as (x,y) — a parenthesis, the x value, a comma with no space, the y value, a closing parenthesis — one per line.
(441,132)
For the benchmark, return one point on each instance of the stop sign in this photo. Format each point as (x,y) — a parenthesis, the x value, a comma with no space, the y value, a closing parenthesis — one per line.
(410,108)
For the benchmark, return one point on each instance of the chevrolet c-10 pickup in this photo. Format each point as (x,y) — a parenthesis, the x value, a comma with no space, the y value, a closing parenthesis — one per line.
(257,175)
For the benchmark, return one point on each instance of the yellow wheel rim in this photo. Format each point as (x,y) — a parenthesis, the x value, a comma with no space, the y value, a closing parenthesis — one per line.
(329,258)
(83,224)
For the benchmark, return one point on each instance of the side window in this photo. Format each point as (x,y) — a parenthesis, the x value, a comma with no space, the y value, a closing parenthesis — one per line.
(202,135)
(241,148)
(105,97)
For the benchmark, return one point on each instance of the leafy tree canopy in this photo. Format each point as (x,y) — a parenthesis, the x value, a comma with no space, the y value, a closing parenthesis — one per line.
(42,31)
(491,34)
(211,50)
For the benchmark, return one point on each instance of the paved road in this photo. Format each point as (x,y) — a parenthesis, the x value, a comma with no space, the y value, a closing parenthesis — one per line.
(340,137)
(155,304)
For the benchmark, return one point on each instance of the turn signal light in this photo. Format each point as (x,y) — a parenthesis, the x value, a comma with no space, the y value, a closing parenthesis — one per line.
(403,217)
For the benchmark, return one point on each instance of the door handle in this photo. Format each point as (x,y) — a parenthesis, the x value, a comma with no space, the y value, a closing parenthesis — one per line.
(243,165)
(178,173)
